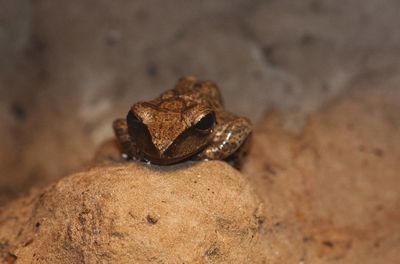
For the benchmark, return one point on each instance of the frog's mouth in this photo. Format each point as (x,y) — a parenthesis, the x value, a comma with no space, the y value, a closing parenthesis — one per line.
(165,160)
(170,156)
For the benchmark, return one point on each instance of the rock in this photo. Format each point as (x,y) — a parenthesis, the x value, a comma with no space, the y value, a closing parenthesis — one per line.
(136,213)
(334,188)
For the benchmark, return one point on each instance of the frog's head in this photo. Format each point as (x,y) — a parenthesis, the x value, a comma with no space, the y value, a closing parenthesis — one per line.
(170,131)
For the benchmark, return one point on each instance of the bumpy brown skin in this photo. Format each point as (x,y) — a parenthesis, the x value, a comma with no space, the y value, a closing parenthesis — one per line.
(167,129)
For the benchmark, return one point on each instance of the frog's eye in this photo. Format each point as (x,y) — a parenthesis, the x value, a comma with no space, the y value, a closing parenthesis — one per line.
(132,119)
(206,122)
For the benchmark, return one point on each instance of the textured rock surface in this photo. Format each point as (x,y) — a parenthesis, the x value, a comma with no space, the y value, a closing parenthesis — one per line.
(133,213)
(334,190)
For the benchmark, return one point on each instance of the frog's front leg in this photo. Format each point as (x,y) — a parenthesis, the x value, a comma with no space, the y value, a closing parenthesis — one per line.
(228,139)
(120,127)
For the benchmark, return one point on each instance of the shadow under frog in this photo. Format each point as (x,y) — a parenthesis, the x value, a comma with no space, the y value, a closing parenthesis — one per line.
(186,122)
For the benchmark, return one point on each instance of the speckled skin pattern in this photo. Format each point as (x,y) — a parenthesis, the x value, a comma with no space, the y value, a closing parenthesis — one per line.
(188,121)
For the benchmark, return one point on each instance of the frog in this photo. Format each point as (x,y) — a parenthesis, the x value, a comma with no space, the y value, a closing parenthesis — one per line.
(187,122)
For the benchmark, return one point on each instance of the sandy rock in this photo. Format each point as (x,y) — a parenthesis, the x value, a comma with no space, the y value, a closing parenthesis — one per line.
(134,213)
(333,190)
